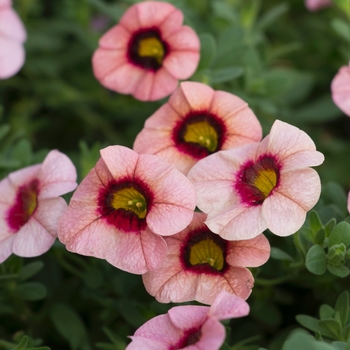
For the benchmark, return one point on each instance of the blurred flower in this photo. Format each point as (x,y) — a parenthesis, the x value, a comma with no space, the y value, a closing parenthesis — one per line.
(314,5)
(190,327)
(30,206)
(197,121)
(248,189)
(122,206)
(12,37)
(147,52)
(340,88)
(349,202)
(200,264)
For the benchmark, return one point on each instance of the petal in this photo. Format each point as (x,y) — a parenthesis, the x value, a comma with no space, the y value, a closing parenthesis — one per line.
(130,19)
(12,56)
(340,88)
(5,3)
(250,253)
(171,23)
(286,139)
(57,175)
(117,38)
(8,194)
(6,247)
(227,306)
(301,160)
(142,343)
(185,39)
(24,176)
(11,26)
(238,222)
(188,317)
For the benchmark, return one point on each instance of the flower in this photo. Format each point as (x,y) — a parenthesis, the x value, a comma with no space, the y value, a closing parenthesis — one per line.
(348,204)
(314,5)
(12,37)
(147,52)
(248,189)
(200,264)
(340,88)
(122,206)
(189,327)
(30,206)
(197,121)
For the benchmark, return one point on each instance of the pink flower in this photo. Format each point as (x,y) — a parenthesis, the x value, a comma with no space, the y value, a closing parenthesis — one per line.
(200,264)
(12,37)
(30,206)
(197,121)
(147,52)
(348,206)
(340,88)
(122,206)
(190,327)
(314,5)
(269,184)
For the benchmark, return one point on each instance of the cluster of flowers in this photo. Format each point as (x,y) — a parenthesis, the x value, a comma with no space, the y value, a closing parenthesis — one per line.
(136,208)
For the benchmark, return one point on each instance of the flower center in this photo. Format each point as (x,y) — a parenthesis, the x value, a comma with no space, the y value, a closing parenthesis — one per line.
(190,337)
(257,180)
(146,49)
(204,251)
(125,204)
(24,207)
(199,134)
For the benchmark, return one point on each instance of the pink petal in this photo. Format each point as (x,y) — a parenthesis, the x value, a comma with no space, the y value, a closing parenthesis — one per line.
(11,26)
(314,5)
(238,222)
(285,210)
(8,195)
(142,343)
(117,38)
(57,175)
(301,160)
(130,19)
(286,139)
(187,317)
(24,176)
(227,306)
(171,23)
(184,39)
(5,3)
(12,58)
(106,62)
(6,247)
(340,88)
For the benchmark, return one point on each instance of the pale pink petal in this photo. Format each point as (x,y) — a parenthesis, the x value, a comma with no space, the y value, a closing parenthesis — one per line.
(11,26)
(164,118)
(117,38)
(57,175)
(173,206)
(188,317)
(227,306)
(24,176)
(120,161)
(171,23)
(237,222)
(285,210)
(301,160)
(130,19)
(5,3)
(286,139)
(181,64)
(106,62)
(314,5)
(8,194)
(142,343)
(32,239)
(12,57)
(153,141)
(251,252)
(6,247)
(124,79)
(340,88)
(184,39)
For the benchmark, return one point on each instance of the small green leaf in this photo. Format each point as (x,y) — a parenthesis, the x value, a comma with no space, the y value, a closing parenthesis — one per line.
(279,254)
(342,306)
(320,236)
(346,332)
(336,255)
(330,326)
(326,311)
(340,234)
(342,28)
(308,322)
(222,75)
(316,260)
(315,221)
(30,270)
(208,50)
(330,226)
(22,345)
(339,271)
(269,17)
(31,291)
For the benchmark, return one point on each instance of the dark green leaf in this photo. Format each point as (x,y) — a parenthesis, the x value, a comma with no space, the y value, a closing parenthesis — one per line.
(279,254)
(30,270)
(340,234)
(316,260)
(31,291)
(339,271)
(225,74)
(330,326)
(326,311)
(208,50)
(269,17)
(22,345)
(315,221)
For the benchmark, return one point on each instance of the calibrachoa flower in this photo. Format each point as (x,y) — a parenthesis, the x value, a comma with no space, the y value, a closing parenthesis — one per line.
(314,5)
(197,121)
(147,52)
(340,88)
(12,37)
(30,206)
(263,185)
(200,264)
(190,327)
(122,206)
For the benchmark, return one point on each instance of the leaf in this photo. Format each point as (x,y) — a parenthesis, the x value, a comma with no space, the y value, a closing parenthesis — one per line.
(330,326)
(316,260)
(208,50)
(342,28)
(225,74)
(339,271)
(31,291)
(70,326)
(329,226)
(315,221)
(22,345)
(346,332)
(269,17)
(342,306)
(279,254)
(340,234)
(326,311)
(30,270)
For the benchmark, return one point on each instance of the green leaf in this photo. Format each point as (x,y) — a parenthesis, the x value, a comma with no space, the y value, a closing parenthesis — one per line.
(208,50)
(308,322)
(30,270)
(339,271)
(271,16)
(330,326)
(316,260)
(4,130)
(298,341)
(342,28)
(320,236)
(31,291)
(222,75)
(330,226)
(340,234)
(342,306)
(336,195)
(315,221)
(326,311)
(346,332)
(279,254)
(70,326)
(22,345)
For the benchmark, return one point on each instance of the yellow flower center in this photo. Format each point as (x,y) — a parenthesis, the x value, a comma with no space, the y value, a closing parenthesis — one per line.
(203,134)
(208,252)
(265,181)
(130,199)
(151,47)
